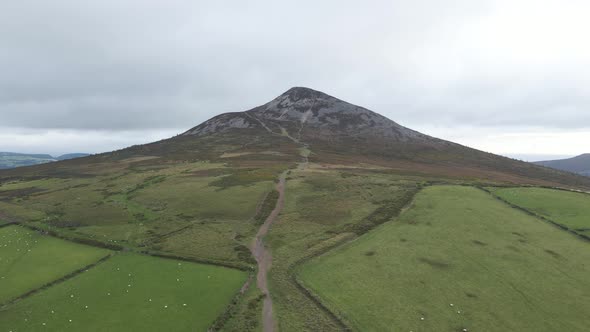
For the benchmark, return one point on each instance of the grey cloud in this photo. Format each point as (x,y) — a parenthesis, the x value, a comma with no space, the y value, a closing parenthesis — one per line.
(142,65)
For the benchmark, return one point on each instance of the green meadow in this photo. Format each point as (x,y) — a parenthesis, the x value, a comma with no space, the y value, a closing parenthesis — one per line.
(29,260)
(323,208)
(570,209)
(198,210)
(457,259)
(129,292)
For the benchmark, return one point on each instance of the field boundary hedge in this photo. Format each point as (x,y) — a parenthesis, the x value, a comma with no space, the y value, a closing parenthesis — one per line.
(56,281)
(197,260)
(116,247)
(227,314)
(79,240)
(9,223)
(292,272)
(537,216)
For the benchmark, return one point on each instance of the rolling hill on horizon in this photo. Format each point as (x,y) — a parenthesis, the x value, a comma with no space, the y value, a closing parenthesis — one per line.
(13,159)
(579,164)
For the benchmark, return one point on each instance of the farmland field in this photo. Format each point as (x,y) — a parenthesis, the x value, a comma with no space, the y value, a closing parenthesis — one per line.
(198,210)
(29,260)
(457,259)
(322,208)
(569,209)
(129,292)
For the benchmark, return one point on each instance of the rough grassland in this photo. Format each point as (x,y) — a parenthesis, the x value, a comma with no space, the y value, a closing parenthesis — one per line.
(570,209)
(322,209)
(197,210)
(501,270)
(129,292)
(29,260)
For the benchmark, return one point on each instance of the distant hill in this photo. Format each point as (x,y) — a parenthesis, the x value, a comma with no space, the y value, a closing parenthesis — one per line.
(72,156)
(579,164)
(13,159)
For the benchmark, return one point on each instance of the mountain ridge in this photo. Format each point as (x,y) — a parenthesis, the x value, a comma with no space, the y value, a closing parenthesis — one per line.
(578,164)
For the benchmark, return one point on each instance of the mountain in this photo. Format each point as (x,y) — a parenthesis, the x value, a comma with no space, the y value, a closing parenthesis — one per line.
(342,133)
(313,115)
(337,133)
(579,164)
(13,160)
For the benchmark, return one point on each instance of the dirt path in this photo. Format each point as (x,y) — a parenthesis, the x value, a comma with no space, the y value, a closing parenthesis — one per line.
(264,258)
(259,251)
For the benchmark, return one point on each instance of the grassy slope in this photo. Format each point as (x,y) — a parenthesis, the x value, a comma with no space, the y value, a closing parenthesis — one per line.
(131,280)
(503,270)
(198,210)
(181,199)
(570,209)
(29,260)
(196,197)
(321,209)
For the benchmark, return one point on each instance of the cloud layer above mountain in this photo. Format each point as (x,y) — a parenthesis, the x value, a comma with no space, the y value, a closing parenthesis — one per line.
(135,69)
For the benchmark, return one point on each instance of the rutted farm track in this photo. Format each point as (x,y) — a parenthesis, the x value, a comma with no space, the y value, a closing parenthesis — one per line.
(260,252)
(264,258)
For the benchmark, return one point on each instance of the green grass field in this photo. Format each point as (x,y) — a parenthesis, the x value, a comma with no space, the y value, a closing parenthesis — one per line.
(29,260)
(129,292)
(322,208)
(458,258)
(197,210)
(204,199)
(570,209)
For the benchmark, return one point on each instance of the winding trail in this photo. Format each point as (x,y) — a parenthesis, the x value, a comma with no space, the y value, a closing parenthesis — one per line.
(264,258)
(259,251)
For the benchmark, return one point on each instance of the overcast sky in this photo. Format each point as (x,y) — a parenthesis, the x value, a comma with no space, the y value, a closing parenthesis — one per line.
(506,76)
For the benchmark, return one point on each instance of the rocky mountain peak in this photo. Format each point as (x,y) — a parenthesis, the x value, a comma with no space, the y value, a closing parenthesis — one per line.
(312,114)
(301,93)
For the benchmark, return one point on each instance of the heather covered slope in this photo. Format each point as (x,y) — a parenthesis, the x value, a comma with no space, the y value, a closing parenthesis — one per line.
(342,133)
(337,132)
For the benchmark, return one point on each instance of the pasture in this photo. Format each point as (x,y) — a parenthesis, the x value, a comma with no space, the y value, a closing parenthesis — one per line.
(457,259)
(198,210)
(29,260)
(323,208)
(570,209)
(129,292)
